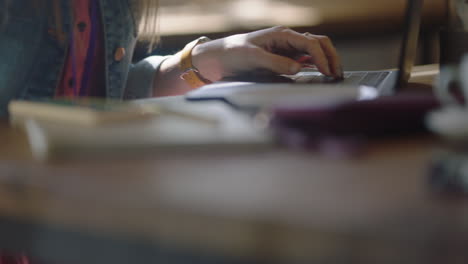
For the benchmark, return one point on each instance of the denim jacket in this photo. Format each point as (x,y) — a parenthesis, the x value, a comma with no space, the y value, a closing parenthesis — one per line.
(32,57)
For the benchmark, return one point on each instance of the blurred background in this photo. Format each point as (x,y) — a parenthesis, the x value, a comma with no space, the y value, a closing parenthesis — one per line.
(366,32)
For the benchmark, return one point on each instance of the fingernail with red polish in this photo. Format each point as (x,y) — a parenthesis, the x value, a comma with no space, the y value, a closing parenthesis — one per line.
(303,59)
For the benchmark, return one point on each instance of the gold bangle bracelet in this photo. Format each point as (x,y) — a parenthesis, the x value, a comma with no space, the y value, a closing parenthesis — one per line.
(190,73)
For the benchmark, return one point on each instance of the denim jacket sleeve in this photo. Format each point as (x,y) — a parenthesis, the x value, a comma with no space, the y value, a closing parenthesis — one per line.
(140,81)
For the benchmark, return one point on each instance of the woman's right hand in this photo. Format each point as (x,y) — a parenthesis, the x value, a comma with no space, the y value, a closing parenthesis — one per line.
(273,49)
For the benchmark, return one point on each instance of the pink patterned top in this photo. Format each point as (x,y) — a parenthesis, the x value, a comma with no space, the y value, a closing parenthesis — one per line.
(83,73)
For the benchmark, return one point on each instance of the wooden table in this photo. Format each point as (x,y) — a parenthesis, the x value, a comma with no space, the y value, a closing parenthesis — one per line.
(216,206)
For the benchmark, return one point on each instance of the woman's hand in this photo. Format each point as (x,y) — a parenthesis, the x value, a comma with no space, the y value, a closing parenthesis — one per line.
(275,49)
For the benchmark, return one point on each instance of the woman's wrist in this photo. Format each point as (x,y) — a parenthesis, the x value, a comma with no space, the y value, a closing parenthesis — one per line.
(207,62)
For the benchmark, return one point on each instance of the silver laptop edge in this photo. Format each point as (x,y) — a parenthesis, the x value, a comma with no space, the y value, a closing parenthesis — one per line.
(397,79)
(409,47)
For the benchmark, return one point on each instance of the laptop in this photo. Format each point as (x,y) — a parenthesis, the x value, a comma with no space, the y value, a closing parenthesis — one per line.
(252,89)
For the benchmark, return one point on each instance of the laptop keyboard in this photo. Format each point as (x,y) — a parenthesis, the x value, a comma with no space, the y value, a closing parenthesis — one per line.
(373,79)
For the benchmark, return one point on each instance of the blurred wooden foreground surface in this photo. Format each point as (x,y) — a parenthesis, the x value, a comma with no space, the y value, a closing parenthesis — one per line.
(276,206)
